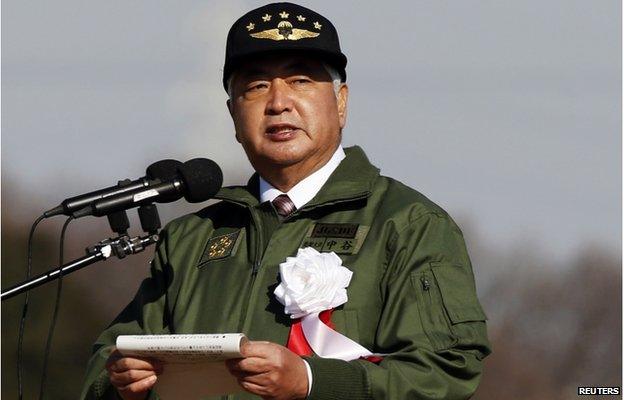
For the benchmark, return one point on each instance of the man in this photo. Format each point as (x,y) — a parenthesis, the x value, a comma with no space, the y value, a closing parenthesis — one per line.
(411,297)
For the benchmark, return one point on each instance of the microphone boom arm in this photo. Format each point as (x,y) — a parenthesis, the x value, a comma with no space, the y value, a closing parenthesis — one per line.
(120,247)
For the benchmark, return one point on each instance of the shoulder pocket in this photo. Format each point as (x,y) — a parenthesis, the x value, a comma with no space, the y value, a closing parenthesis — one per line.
(446,298)
(458,293)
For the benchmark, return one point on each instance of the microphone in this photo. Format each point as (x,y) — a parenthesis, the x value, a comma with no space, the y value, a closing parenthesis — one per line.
(197,180)
(162,170)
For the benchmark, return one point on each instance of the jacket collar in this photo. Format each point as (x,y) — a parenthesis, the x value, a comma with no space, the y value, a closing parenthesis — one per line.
(353,179)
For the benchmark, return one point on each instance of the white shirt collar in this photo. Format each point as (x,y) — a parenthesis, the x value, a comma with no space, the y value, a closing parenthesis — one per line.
(305,190)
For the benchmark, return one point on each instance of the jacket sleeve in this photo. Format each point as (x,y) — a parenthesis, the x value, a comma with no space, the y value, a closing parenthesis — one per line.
(432,327)
(146,314)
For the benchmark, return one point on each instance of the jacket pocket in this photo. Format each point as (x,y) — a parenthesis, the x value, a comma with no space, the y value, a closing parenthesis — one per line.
(446,298)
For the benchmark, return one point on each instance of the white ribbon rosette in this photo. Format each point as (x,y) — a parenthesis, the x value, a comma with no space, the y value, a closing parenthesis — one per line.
(313,282)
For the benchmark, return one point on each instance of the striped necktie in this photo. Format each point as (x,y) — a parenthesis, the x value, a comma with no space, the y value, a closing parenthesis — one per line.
(284,205)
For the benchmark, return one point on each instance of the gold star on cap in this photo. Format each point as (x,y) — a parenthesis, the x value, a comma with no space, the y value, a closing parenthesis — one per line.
(284,14)
(250,26)
(317,25)
(301,18)
(266,18)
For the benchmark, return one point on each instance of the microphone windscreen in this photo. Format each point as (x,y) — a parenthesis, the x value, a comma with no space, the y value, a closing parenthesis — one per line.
(165,170)
(202,179)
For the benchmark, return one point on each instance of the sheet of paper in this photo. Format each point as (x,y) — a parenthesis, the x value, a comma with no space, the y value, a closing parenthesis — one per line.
(182,348)
(193,364)
(194,381)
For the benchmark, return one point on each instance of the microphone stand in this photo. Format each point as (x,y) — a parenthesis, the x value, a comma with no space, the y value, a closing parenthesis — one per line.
(120,246)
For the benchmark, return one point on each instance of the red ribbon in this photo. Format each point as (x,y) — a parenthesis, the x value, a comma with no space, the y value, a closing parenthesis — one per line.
(298,344)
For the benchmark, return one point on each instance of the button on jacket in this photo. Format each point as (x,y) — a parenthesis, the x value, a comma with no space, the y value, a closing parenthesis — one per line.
(412,295)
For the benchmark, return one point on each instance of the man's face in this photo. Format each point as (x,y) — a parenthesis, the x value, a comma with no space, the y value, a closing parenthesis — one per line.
(286,112)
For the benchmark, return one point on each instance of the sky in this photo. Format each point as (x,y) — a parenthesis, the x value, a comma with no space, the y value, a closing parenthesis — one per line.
(506,113)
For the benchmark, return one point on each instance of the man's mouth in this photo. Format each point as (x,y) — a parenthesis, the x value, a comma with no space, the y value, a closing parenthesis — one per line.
(281,132)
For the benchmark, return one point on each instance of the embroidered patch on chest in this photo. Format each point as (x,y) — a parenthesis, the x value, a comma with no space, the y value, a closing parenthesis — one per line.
(220,247)
(339,238)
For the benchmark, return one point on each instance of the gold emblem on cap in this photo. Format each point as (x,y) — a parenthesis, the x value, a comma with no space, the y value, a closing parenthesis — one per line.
(283,14)
(301,18)
(251,26)
(285,31)
(266,18)
(317,25)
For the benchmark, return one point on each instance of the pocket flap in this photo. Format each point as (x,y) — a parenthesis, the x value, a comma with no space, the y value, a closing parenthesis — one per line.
(458,292)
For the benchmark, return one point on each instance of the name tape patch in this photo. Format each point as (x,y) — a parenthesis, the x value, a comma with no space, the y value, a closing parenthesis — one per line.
(347,231)
(339,238)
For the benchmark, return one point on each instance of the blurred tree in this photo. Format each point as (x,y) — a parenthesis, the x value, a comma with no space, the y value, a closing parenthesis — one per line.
(555,329)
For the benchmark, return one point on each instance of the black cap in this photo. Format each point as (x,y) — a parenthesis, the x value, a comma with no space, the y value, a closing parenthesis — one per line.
(279,27)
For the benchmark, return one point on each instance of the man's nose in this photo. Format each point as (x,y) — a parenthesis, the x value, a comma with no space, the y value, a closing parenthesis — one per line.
(280,97)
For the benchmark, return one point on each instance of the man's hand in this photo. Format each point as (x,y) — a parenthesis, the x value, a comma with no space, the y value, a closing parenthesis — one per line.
(270,371)
(132,377)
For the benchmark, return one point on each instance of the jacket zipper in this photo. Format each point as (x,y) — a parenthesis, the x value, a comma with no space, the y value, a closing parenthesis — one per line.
(425,283)
(254,270)
(257,256)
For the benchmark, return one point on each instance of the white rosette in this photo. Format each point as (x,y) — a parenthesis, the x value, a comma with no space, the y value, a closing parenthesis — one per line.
(313,282)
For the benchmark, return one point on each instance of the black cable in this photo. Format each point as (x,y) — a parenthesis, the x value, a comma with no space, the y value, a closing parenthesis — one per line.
(20,337)
(46,356)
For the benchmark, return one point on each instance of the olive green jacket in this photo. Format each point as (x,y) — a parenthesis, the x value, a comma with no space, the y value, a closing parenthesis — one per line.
(412,295)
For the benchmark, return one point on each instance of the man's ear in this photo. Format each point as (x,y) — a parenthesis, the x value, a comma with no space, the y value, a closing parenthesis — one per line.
(343,95)
(228,103)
